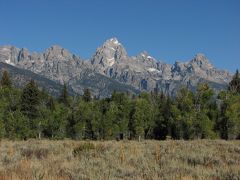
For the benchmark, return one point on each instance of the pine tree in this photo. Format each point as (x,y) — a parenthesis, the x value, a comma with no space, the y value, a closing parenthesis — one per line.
(105,123)
(87,95)
(234,85)
(51,104)
(64,97)
(57,122)
(166,120)
(6,81)
(30,100)
(72,119)
(16,125)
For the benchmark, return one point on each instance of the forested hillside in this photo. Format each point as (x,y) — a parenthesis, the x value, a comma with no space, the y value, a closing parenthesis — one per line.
(33,113)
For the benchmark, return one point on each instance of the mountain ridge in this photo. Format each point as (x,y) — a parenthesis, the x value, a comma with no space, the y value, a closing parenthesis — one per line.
(141,72)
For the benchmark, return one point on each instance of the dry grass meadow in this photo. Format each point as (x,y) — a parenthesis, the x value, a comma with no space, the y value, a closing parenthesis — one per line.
(67,159)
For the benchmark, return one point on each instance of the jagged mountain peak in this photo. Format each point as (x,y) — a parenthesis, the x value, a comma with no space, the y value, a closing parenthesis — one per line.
(110,60)
(108,54)
(113,40)
(113,45)
(57,52)
(200,57)
(202,61)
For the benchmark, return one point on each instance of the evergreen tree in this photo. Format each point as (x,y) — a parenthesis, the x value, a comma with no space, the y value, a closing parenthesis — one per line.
(87,95)
(221,124)
(51,104)
(234,85)
(72,131)
(32,113)
(64,97)
(58,122)
(6,81)
(30,100)
(166,120)
(16,125)
(29,106)
(105,123)
(9,102)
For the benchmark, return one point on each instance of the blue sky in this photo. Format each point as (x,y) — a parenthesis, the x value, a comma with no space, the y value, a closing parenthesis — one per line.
(169,30)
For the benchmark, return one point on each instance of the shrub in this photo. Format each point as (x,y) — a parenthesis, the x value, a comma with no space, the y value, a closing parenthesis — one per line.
(38,153)
(85,147)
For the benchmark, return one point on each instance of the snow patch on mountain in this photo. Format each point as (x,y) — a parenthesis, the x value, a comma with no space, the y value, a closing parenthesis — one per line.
(115,41)
(110,61)
(8,61)
(153,69)
(112,48)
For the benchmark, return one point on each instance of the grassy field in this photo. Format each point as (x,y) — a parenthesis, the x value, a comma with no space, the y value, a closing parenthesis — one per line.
(67,159)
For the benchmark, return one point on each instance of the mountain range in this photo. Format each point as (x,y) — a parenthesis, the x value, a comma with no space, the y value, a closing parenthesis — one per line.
(110,68)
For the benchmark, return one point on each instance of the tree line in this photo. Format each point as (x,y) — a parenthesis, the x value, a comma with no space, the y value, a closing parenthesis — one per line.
(33,113)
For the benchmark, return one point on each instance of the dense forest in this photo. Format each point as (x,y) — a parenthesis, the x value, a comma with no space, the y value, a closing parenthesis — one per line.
(33,113)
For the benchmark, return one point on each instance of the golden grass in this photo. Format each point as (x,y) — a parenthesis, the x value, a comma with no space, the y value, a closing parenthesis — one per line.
(68,159)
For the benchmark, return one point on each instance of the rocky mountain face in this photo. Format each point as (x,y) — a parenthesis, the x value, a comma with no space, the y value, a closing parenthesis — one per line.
(55,63)
(21,77)
(110,68)
(146,73)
